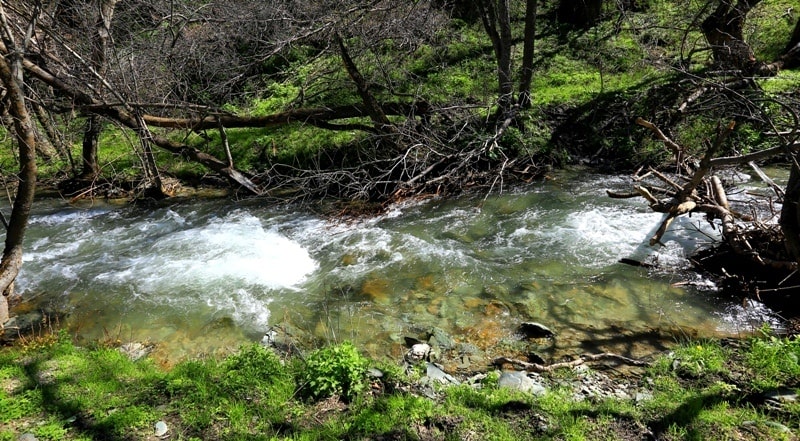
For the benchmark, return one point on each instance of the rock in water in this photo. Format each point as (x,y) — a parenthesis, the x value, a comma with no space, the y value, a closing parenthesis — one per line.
(535,330)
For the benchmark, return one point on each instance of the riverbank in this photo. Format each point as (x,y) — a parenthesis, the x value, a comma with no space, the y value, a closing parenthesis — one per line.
(734,389)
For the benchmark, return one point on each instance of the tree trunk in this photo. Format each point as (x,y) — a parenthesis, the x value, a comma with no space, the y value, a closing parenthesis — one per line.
(495,15)
(581,13)
(11,262)
(91,136)
(100,43)
(791,55)
(379,119)
(723,30)
(526,76)
(790,213)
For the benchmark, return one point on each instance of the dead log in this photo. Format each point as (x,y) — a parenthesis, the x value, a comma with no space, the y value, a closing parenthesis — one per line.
(585,358)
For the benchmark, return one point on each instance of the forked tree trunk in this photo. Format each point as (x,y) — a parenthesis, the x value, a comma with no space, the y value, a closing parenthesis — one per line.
(724,31)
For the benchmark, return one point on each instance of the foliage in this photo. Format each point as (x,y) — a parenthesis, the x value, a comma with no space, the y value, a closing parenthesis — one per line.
(772,361)
(335,370)
(77,393)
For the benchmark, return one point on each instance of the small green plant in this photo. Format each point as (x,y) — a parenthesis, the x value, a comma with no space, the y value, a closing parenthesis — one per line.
(698,359)
(772,361)
(335,370)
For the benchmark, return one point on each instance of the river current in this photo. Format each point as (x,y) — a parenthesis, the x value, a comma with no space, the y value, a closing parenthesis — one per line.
(204,276)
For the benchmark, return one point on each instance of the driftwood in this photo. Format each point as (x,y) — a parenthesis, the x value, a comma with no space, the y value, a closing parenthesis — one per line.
(585,358)
(703,192)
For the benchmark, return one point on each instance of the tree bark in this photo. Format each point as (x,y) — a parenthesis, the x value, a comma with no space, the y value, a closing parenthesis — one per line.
(495,15)
(100,44)
(526,76)
(11,262)
(379,119)
(790,212)
(791,55)
(724,31)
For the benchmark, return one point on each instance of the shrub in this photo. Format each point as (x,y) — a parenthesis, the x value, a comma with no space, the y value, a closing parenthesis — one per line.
(338,369)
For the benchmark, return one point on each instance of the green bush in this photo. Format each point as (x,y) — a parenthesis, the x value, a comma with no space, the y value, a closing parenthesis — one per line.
(336,370)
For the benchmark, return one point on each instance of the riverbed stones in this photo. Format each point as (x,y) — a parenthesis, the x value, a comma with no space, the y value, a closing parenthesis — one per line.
(521,381)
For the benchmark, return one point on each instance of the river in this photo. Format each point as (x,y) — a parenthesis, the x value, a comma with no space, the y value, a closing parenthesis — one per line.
(201,277)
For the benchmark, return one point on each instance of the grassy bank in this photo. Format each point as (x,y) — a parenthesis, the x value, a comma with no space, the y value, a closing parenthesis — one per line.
(701,390)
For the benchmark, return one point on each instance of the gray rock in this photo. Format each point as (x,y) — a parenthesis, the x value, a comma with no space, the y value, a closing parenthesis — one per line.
(434,374)
(535,330)
(781,396)
(441,339)
(161,429)
(27,437)
(374,373)
(520,380)
(468,349)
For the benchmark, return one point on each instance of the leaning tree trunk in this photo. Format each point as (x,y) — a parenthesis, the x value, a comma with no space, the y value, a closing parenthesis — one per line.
(26,138)
(790,213)
(791,54)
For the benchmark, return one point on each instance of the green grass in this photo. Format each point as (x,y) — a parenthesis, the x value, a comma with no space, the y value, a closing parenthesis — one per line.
(699,390)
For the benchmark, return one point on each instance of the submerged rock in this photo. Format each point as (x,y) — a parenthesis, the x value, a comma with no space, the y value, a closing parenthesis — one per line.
(535,330)
(135,350)
(441,339)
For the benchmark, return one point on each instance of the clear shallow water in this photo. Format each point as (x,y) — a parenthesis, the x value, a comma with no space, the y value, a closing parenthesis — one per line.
(205,276)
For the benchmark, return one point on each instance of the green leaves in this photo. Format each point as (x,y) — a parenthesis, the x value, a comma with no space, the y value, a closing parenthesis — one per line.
(336,370)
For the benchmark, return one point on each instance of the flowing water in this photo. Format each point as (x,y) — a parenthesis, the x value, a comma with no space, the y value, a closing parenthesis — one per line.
(205,276)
